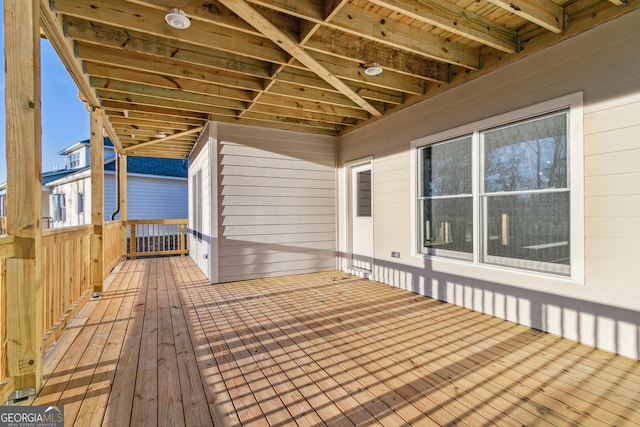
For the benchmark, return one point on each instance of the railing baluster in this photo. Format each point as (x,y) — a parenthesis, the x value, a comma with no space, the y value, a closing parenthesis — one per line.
(157,237)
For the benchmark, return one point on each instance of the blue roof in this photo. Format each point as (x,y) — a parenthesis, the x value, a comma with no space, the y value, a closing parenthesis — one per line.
(53,175)
(153,166)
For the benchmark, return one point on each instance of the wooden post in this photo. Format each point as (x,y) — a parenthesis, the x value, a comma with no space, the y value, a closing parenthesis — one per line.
(122,174)
(24,198)
(97,196)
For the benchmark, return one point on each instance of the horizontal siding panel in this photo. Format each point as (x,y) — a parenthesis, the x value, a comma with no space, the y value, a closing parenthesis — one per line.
(252,191)
(626,227)
(231,210)
(303,182)
(277,201)
(245,230)
(613,206)
(275,257)
(327,158)
(274,165)
(279,239)
(302,144)
(612,118)
(277,220)
(261,249)
(610,247)
(276,269)
(270,172)
(619,184)
(613,163)
(258,181)
(616,140)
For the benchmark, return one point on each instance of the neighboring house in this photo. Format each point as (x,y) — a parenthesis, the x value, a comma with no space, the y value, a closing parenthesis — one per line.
(156,188)
(515,194)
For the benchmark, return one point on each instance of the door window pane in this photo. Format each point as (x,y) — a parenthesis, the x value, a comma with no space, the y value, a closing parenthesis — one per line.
(364,193)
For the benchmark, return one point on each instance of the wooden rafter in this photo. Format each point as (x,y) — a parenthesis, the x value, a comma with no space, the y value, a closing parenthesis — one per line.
(455,19)
(246,12)
(133,149)
(545,13)
(296,65)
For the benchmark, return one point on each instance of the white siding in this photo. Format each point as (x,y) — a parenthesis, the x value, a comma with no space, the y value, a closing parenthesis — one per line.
(156,198)
(277,210)
(604,310)
(201,242)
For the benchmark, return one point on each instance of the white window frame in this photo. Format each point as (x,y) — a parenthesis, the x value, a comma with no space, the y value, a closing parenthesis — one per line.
(575,163)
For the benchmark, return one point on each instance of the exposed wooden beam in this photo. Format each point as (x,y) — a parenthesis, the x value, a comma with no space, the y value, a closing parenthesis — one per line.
(123,196)
(24,281)
(123,14)
(167,138)
(455,19)
(391,32)
(158,80)
(352,48)
(164,93)
(150,45)
(52,26)
(249,14)
(166,67)
(545,13)
(96,119)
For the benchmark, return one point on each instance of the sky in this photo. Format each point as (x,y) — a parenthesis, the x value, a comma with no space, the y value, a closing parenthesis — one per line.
(65,120)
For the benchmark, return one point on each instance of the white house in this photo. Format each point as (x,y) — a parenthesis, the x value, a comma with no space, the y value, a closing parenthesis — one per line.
(513,196)
(156,187)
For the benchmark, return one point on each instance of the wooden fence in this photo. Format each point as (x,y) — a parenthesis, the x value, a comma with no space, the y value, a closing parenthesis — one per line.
(157,237)
(66,275)
(112,247)
(6,251)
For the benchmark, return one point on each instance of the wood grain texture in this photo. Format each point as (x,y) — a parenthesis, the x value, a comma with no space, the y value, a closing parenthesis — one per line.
(165,346)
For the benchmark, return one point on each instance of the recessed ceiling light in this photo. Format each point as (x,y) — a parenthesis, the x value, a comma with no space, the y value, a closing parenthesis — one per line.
(161,134)
(373,69)
(177,19)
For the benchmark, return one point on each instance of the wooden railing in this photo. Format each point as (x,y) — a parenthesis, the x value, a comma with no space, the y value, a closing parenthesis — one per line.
(112,248)
(6,251)
(47,223)
(66,276)
(157,237)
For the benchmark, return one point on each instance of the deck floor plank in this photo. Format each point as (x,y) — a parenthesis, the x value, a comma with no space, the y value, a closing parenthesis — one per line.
(164,347)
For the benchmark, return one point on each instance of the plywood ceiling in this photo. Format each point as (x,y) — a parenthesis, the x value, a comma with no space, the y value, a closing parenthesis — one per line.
(290,64)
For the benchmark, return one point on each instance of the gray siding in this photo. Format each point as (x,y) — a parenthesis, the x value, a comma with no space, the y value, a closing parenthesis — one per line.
(604,309)
(277,203)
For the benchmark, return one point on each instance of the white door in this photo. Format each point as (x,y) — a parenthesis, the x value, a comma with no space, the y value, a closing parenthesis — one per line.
(361,217)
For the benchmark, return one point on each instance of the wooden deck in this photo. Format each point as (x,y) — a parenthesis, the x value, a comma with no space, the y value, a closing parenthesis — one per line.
(163,347)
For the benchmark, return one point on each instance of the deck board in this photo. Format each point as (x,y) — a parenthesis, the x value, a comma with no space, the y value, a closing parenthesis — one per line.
(164,347)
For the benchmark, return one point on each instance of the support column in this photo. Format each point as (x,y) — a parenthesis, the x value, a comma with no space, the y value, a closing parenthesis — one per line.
(97,196)
(122,176)
(24,200)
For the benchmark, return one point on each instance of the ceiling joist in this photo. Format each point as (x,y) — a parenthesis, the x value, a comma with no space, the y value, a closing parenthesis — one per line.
(295,65)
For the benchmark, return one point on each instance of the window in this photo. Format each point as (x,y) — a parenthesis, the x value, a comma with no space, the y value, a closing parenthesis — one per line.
(499,191)
(74,160)
(364,193)
(59,208)
(196,203)
(446,203)
(80,203)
